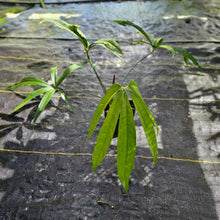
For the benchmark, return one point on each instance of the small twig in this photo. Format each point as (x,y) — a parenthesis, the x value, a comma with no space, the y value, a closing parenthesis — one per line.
(105,203)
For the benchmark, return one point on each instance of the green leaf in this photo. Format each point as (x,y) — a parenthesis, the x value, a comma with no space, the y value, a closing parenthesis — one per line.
(146,121)
(79,34)
(109,44)
(29,81)
(73,29)
(157,42)
(106,132)
(171,49)
(64,97)
(102,105)
(54,75)
(186,59)
(144,33)
(133,86)
(57,22)
(3,20)
(138,42)
(67,71)
(46,98)
(126,148)
(186,55)
(31,96)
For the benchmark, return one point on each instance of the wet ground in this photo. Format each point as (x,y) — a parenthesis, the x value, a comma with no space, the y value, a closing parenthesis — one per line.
(47,184)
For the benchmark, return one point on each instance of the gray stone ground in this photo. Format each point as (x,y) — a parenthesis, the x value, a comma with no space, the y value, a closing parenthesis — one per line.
(184,102)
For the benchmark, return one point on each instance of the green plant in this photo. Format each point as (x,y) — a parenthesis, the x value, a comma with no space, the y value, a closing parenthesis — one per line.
(3,20)
(116,96)
(47,89)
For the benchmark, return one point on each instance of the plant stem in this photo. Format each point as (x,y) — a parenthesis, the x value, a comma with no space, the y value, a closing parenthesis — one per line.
(139,61)
(98,77)
(42,4)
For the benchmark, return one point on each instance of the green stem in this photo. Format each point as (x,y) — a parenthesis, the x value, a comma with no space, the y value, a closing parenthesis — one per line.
(42,4)
(139,61)
(97,75)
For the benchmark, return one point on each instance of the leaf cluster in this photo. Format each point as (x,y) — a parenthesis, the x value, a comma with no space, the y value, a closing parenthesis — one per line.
(156,43)
(46,90)
(120,110)
(109,44)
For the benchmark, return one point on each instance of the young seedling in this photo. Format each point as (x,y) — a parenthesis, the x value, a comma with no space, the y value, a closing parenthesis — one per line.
(47,90)
(116,96)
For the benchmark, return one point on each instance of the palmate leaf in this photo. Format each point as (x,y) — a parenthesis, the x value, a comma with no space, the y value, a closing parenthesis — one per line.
(32,95)
(126,147)
(186,55)
(102,105)
(29,81)
(109,44)
(144,33)
(146,121)
(106,132)
(67,71)
(44,101)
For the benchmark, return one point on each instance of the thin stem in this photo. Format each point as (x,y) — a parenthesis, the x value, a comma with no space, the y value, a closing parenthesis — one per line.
(139,61)
(98,77)
(42,4)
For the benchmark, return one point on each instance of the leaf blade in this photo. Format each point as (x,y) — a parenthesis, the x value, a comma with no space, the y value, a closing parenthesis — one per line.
(44,101)
(146,122)
(186,55)
(101,107)
(144,33)
(106,132)
(29,81)
(133,86)
(73,29)
(79,34)
(126,147)
(65,98)
(54,75)
(171,49)
(57,23)
(111,45)
(31,96)
(67,71)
